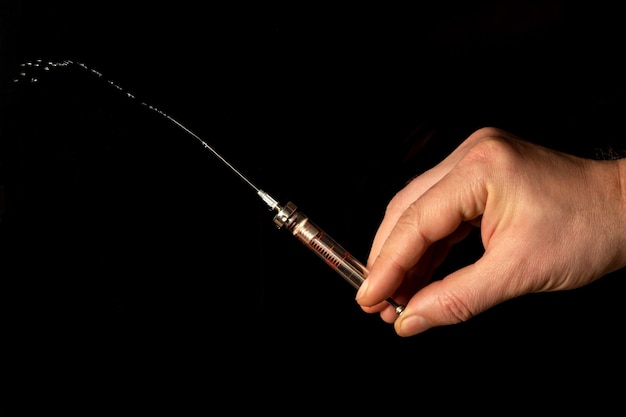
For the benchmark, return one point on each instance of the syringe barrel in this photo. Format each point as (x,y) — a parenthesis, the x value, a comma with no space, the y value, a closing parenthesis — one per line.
(322,244)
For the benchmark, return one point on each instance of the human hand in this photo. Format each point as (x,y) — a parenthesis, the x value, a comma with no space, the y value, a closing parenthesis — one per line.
(548,221)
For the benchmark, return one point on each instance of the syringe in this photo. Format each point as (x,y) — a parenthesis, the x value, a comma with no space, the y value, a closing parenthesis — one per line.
(305,230)
(321,243)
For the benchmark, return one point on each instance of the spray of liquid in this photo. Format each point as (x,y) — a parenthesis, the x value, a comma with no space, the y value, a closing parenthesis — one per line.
(30,72)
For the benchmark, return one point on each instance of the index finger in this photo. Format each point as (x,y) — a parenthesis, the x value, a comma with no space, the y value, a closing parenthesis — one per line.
(434,215)
(419,185)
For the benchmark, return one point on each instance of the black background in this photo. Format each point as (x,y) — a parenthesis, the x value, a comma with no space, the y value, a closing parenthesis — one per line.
(140,274)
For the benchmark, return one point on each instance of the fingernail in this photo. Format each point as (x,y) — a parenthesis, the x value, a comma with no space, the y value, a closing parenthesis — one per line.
(414,324)
(362,290)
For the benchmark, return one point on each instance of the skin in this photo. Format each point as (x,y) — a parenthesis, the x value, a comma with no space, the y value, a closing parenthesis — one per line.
(548,221)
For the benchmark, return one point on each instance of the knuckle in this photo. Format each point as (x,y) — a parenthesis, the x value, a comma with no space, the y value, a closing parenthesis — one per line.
(492,150)
(454,309)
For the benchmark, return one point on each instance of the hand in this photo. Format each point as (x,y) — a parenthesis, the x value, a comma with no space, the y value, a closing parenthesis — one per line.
(548,221)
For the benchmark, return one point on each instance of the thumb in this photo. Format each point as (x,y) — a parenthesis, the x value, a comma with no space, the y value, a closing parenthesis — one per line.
(457,298)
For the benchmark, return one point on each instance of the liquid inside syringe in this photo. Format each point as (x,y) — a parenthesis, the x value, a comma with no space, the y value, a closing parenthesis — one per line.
(321,243)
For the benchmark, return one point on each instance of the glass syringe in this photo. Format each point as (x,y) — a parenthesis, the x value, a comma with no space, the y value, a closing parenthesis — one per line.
(305,230)
(321,243)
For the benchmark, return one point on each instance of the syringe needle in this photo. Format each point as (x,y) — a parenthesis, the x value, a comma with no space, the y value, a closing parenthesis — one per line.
(217,155)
